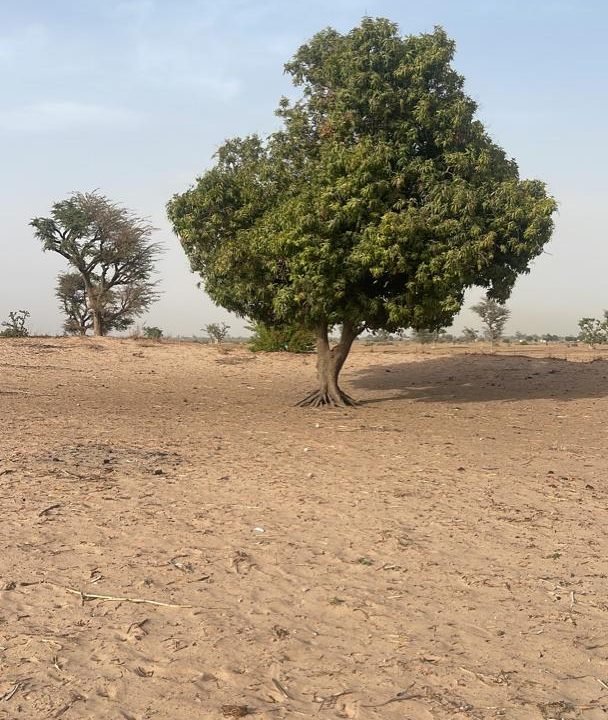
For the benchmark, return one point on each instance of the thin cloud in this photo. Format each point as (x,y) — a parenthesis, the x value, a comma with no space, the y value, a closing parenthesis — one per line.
(60,116)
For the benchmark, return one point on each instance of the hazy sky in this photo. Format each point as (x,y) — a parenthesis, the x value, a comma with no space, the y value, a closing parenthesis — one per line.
(132,97)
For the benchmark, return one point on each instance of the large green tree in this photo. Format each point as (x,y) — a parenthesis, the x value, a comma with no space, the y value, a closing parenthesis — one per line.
(110,249)
(377,203)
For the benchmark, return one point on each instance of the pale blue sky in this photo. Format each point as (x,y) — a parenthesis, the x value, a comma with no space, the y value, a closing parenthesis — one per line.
(133,97)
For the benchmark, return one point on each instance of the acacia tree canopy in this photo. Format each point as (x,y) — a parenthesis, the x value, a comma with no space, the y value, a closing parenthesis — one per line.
(72,295)
(376,205)
(110,250)
(121,305)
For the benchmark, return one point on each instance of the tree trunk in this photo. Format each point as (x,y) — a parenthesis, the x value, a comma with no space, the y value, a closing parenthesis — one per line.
(93,296)
(97,323)
(329,363)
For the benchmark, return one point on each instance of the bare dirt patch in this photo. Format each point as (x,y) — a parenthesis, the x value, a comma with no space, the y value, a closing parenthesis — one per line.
(439,552)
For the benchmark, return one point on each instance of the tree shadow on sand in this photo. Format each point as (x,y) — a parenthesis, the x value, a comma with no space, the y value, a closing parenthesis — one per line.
(483,378)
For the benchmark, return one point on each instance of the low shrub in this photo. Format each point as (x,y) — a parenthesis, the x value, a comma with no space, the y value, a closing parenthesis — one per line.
(15,325)
(217,332)
(152,333)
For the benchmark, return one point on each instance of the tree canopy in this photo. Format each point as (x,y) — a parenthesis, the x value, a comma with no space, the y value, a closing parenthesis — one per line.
(378,202)
(72,295)
(112,256)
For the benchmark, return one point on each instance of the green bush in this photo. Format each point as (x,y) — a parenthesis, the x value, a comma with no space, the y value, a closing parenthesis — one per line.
(217,332)
(15,326)
(281,338)
(153,333)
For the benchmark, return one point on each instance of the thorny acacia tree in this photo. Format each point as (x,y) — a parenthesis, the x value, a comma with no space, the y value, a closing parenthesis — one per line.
(376,205)
(494,316)
(110,250)
(594,331)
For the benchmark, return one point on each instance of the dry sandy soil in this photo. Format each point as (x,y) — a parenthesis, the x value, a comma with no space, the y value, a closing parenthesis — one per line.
(439,552)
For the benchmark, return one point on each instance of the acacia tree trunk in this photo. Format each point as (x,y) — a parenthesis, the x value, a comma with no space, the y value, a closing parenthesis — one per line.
(97,323)
(330,361)
(93,297)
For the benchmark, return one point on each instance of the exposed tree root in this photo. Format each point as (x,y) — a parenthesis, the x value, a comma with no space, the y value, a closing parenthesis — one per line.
(320,398)
(329,364)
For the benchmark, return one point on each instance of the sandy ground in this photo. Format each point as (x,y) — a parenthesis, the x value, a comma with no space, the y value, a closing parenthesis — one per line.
(439,552)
